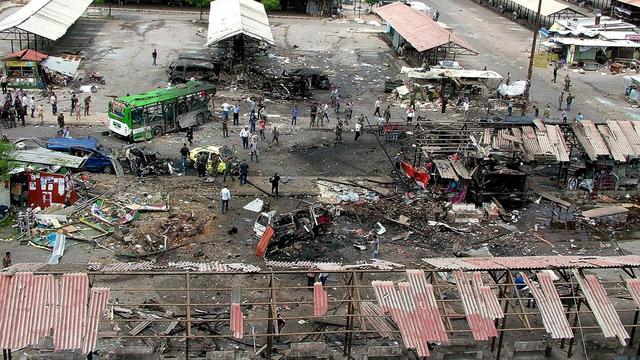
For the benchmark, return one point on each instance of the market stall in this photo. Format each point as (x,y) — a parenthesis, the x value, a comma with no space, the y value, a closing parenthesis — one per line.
(23,69)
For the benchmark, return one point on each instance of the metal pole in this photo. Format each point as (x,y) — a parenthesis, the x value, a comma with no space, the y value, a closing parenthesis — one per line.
(531,55)
(633,328)
(575,323)
(270,321)
(349,319)
(385,150)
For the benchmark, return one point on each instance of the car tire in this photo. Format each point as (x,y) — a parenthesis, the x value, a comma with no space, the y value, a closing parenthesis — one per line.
(107,170)
(157,131)
(200,119)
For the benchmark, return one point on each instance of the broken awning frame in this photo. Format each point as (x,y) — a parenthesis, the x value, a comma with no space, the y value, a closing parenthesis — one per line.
(228,18)
(49,19)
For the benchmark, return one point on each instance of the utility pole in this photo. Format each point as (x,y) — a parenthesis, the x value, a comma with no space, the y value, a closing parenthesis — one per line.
(532,54)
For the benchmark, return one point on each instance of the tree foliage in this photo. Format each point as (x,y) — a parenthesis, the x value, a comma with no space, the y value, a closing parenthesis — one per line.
(198,3)
(271,5)
(6,160)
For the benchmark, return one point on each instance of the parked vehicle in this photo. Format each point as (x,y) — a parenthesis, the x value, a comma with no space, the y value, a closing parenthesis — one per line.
(216,154)
(200,65)
(99,158)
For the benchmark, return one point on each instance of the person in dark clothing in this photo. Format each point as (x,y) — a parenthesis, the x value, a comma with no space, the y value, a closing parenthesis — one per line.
(201,164)
(184,153)
(311,279)
(225,128)
(275,181)
(154,55)
(6,262)
(555,73)
(190,136)
(60,122)
(445,100)
(244,171)
(228,171)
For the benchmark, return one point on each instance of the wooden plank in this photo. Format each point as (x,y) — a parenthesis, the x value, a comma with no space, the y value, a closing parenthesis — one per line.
(540,125)
(612,144)
(458,166)
(511,138)
(630,132)
(578,130)
(445,169)
(594,137)
(171,326)
(557,200)
(556,138)
(621,139)
(604,211)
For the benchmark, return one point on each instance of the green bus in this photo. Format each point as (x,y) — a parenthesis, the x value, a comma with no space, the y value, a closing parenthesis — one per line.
(143,116)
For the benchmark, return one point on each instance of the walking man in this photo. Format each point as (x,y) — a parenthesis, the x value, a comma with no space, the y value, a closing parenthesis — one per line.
(32,105)
(294,116)
(349,111)
(60,119)
(236,115)
(387,114)
(339,132)
(377,105)
(40,114)
(225,196)
(228,167)
(336,105)
(262,126)
(325,114)
(465,106)
(74,103)
(275,181)
(253,150)
(560,100)
(4,82)
(380,126)
(555,73)
(190,136)
(53,100)
(445,101)
(184,153)
(244,135)
(358,130)
(570,98)
(510,107)
(546,114)
(244,171)
(275,135)
(252,121)
(154,55)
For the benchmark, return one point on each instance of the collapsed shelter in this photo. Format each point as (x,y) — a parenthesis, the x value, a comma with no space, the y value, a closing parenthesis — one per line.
(423,39)
(41,22)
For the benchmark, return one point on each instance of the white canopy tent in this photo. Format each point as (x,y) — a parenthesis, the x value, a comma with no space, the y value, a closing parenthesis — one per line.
(229,18)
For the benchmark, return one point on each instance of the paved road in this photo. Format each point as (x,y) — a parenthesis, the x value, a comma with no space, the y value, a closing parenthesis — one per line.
(504,47)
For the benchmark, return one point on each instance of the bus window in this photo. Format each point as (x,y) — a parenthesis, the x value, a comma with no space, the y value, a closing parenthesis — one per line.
(154,112)
(198,102)
(136,116)
(183,105)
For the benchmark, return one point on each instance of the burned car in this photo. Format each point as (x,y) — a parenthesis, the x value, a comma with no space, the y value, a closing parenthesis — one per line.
(144,160)
(214,155)
(200,65)
(308,220)
(289,83)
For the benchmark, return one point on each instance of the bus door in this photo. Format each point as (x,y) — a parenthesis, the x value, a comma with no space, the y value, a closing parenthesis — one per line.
(140,130)
(169,114)
(185,116)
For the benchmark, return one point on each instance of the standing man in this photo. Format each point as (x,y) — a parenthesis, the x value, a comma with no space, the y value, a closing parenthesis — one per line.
(569,101)
(244,172)
(465,106)
(579,117)
(154,55)
(313,113)
(336,104)
(32,105)
(339,132)
(66,133)
(349,111)
(252,121)
(6,262)
(410,113)
(244,135)
(536,111)
(275,181)
(87,105)
(225,196)
(555,73)
(53,100)
(445,101)
(225,127)
(564,116)
(225,111)
(190,135)
(377,105)
(510,107)
(201,163)
(560,100)
(275,135)
(60,119)
(25,103)
(294,116)
(387,114)
(380,126)
(358,130)
(236,114)
(4,82)
(184,153)
(262,126)
(74,103)
(567,83)
(40,114)
(228,170)
(546,114)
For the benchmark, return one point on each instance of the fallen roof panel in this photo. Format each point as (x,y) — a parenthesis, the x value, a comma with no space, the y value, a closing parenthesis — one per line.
(47,157)
(48,18)
(604,211)
(533,262)
(229,18)
(418,28)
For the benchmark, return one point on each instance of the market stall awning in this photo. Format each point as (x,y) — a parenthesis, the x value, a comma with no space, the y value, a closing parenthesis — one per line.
(67,66)
(47,18)
(420,30)
(229,18)
(26,55)
(549,7)
(44,156)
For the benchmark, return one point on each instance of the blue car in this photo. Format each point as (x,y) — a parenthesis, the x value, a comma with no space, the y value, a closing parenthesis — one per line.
(98,159)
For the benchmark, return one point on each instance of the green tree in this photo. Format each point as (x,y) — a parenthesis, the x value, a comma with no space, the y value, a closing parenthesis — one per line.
(200,4)
(271,5)
(102,2)
(6,160)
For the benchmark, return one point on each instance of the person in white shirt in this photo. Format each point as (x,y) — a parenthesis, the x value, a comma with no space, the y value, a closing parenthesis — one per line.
(225,111)
(32,105)
(378,103)
(358,130)
(466,108)
(25,104)
(244,135)
(225,196)
(410,113)
(53,100)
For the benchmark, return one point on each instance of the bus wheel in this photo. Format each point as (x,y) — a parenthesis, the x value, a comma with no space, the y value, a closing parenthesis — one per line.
(157,131)
(107,170)
(199,119)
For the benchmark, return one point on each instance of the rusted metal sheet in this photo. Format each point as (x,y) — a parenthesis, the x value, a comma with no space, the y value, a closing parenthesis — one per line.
(97,304)
(74,289)
(628,128)
(304,265)
(427,310)
(612,143)
(122,266)
(480,315)
(602,308)
(320,299)
(237,321)
(533,262)
(551,309)
(621,138)
(633,286)
(22,267)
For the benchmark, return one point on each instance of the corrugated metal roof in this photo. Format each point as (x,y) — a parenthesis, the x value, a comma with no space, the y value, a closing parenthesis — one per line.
(27,55)
(427,310)
(533,262)
(590,139)
(602,308)
(633,285)
(417,28)
(228,18)
(550,305)
(32,305)
(47,18)
(377,318)
(480,314)
(44,156)
(121,266)
(549,7)
(320,299)
(61,65)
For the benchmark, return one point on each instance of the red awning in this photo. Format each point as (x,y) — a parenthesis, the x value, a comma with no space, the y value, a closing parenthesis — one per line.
(27,55)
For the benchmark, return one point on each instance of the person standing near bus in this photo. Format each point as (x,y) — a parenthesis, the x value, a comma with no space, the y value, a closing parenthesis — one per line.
(184,152)
(154,55)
